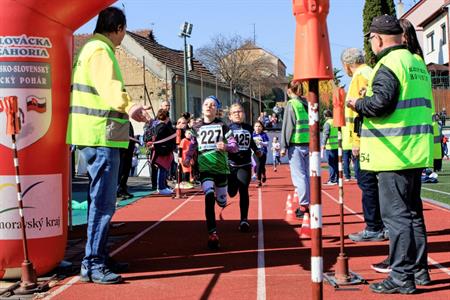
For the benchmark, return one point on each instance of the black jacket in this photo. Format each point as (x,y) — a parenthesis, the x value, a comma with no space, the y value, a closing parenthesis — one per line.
(161,131)
(386,89)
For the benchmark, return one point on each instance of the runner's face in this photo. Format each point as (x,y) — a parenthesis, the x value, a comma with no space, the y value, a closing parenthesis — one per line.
(258,128)
(209,108)
(236,114)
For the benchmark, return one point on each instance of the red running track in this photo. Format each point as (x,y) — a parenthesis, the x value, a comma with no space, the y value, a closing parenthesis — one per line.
(168,257)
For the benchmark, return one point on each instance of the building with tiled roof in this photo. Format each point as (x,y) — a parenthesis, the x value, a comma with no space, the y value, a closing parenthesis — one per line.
(163,76)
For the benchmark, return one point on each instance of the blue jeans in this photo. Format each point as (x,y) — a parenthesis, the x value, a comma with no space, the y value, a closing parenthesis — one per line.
(332,156)
(299,164)
(162,178)
(103,168)
(368,183)
(346,157)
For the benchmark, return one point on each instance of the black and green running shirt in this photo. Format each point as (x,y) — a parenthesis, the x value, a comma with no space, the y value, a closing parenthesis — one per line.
(243,134)
(205,138)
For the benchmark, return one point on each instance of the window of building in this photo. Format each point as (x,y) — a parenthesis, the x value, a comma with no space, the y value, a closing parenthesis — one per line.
(430,42)
(444,34)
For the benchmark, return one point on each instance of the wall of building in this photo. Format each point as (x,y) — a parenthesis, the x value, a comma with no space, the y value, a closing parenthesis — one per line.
(420,13)
(132,72)
(437,54)
(195,96)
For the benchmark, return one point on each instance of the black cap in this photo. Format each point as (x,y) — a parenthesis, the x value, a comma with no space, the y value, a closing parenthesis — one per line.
(385,24)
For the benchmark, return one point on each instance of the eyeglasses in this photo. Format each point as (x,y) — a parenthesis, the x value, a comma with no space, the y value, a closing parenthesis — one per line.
(371,37)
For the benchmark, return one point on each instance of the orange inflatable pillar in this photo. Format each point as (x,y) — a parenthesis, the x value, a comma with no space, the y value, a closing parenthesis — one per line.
(312,50)
(36,41)
(338,107)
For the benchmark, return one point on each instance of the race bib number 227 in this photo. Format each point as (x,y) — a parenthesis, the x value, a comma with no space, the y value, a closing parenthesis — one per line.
(209,136)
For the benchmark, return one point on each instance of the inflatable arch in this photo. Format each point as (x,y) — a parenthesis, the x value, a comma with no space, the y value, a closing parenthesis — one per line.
(36,45)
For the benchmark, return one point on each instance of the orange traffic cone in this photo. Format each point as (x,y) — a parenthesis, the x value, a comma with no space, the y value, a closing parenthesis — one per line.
(289,209)
(305,231)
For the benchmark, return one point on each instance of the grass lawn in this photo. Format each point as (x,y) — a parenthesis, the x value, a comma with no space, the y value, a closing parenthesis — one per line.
(439,191)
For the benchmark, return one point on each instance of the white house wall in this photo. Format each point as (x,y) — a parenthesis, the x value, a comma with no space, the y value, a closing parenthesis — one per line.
(440,53)
(421,13)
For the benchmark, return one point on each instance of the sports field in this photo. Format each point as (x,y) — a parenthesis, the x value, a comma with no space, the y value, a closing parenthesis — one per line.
(439,191)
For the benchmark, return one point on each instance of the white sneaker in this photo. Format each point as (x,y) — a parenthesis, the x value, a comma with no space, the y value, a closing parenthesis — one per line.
(165,191)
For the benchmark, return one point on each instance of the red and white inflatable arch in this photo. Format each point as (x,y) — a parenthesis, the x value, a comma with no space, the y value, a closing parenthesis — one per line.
(36,43)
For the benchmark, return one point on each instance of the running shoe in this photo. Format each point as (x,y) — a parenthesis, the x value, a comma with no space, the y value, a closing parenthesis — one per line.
(301,211)
(244,226)
(367,236)
(100,275)
(264,178)
(213,241)
(165,191)
(382,267)
(330,183)
(392,286)
(422,277)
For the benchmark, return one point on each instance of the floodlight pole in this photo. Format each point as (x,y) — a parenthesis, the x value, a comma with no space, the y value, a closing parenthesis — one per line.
(186,89)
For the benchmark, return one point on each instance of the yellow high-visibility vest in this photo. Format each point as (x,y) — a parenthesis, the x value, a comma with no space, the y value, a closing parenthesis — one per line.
(92,122)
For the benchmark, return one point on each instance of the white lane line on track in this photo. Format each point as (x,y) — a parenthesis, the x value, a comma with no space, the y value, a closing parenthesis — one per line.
(261,288)
(128,243)
(436,191)
(430,260)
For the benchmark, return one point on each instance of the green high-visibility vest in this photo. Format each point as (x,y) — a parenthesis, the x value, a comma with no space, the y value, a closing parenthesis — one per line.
(404,138)
(301,133)
(437,148)
(332,142)
(92,122)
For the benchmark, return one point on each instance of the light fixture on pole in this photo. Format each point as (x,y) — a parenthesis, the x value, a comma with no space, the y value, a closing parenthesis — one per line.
(186,30)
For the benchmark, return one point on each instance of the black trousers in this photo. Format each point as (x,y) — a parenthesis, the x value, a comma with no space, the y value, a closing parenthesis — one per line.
(402,213)
(368,183)
(239,179)
(261,166)
(126,157)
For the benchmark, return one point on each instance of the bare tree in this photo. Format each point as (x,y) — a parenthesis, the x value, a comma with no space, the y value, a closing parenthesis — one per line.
(236,61)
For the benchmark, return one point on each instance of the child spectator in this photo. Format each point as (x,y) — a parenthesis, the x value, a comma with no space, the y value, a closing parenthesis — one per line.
(186,170)
(276,149)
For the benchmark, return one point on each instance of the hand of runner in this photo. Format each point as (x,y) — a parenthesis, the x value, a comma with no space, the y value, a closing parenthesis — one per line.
(221,146)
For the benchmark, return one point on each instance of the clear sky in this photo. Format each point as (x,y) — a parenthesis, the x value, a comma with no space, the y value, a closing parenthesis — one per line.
(272,19)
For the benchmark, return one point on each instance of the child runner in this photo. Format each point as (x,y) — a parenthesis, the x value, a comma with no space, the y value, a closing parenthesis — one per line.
(276,149)
(213,139)
(262,141)
(241,162)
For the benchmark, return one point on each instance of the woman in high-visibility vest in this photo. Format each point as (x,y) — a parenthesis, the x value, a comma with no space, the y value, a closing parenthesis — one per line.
(330,145)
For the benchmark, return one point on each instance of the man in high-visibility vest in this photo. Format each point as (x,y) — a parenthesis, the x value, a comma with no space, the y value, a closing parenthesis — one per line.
(397,143)
(354,66)
(99,125)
